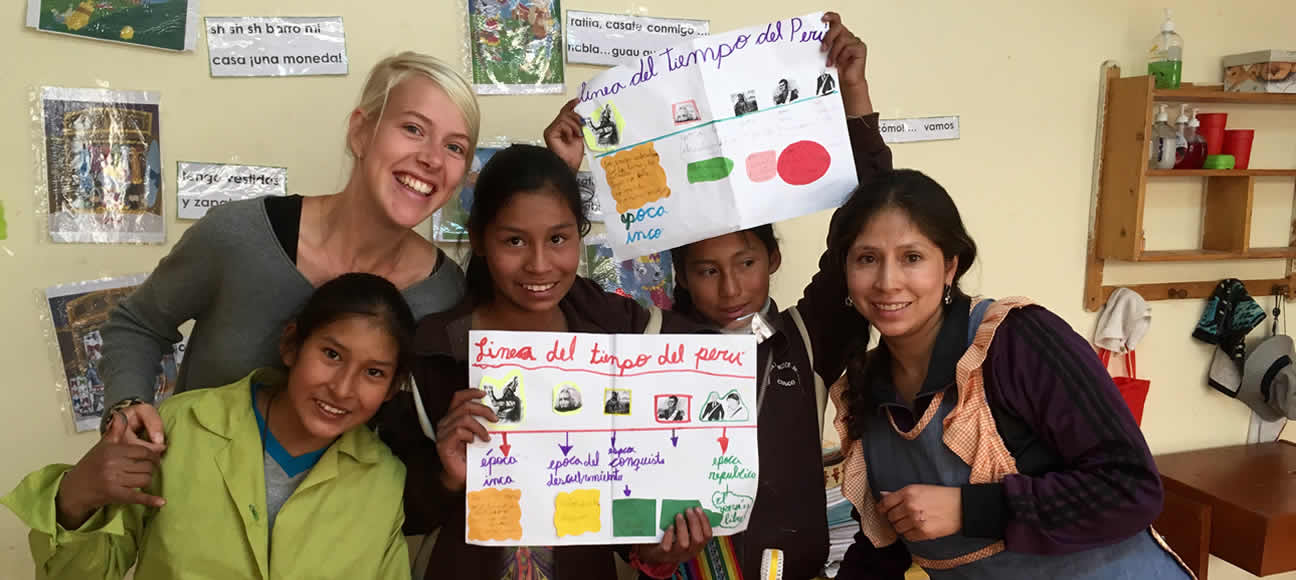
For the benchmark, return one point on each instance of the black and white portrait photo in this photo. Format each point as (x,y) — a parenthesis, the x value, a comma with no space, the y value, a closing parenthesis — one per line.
(825,84)
(785,91)
(672,408)
(617,402)
(506,402)
(567,399)
(744,103)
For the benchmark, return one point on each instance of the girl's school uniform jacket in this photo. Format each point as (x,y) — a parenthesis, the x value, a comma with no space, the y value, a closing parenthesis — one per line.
(343,521)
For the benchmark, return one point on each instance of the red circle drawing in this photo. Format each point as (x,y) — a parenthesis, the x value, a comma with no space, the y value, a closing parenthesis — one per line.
(803,162)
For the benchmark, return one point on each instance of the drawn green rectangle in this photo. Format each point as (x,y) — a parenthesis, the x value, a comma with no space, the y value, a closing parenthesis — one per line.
(673,507)
(633,517)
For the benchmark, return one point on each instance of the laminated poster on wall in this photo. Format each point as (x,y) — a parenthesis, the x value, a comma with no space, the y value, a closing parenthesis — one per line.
(717,134)
(604,439)
(103,163)
(450,223)
(613,39)
(78,312)
(516,46)
(167,24)
(649,279)
(589,196)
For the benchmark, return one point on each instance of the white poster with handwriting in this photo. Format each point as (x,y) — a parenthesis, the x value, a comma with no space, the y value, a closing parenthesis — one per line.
(603,439)
(717,134)
(202,186)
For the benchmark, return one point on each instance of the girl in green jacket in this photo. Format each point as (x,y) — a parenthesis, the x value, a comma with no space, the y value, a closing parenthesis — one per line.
(263,478)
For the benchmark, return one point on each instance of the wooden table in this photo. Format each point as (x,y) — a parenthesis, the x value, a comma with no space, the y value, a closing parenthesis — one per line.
(1238,503)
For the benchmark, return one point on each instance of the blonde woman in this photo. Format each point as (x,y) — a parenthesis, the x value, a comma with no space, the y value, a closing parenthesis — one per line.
(248,266)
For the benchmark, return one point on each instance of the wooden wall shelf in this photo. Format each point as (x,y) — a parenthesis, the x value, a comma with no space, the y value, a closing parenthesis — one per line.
(1216,94)
(1117,229)
(1221,173)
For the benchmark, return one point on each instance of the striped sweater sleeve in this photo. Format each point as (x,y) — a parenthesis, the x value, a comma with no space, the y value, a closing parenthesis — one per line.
(1106,488)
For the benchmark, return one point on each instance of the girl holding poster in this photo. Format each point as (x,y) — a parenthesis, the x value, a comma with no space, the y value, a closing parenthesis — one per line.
(525,227)
(540,291)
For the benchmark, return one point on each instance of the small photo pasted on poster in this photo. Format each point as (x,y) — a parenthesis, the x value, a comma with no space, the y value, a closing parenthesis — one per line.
(685,112)
(505,397)
(724,408)
(603,130)
(566,398)
(744,102)
(673,408)
(825,83)
(785,91)
(103,158)
(616,401)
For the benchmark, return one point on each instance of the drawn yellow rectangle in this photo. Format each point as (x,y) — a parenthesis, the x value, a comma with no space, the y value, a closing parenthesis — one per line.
(577,512)
(495,514)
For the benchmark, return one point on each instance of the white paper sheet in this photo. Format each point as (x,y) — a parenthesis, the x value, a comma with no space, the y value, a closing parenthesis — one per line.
(202,186)
(276,46)
(717,134)
(616,39)
(602,436)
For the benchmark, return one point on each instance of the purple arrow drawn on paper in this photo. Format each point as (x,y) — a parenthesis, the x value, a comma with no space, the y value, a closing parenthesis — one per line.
(674,439)
(614,439)
(627,491)
(566,448)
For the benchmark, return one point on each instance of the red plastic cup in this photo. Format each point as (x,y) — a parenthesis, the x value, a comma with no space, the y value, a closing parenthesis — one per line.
(1212,130)
(1237,142)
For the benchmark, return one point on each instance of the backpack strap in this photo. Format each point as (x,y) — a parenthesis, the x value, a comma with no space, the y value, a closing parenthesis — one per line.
(821,390)
(654,325)
(424,423)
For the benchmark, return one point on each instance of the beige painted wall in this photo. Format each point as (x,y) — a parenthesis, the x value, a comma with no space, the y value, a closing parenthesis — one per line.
(1022,75)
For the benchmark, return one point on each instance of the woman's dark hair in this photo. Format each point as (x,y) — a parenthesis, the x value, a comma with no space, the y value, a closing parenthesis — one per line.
(359,294)
(681,299)
(933,212)
(517,169)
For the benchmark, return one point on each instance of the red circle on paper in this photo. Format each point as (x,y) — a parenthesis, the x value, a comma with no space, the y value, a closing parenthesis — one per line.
(803,162)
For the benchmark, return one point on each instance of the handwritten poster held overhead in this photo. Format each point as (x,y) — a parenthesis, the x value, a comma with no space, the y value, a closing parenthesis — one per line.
(603,439)
(717,134)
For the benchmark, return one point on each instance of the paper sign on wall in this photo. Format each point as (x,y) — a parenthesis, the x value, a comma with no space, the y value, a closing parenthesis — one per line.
(603,439)
(620,39)
(920,129)
(276,47)
(717,134)
(202,186)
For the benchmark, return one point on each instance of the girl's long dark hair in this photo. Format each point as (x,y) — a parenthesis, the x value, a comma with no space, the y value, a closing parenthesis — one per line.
(517,169)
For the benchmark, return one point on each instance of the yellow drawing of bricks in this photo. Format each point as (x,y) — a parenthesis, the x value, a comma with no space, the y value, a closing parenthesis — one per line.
(636,177)
(495,514)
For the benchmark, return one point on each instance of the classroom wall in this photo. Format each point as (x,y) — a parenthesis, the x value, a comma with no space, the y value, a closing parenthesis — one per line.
(1023,76)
